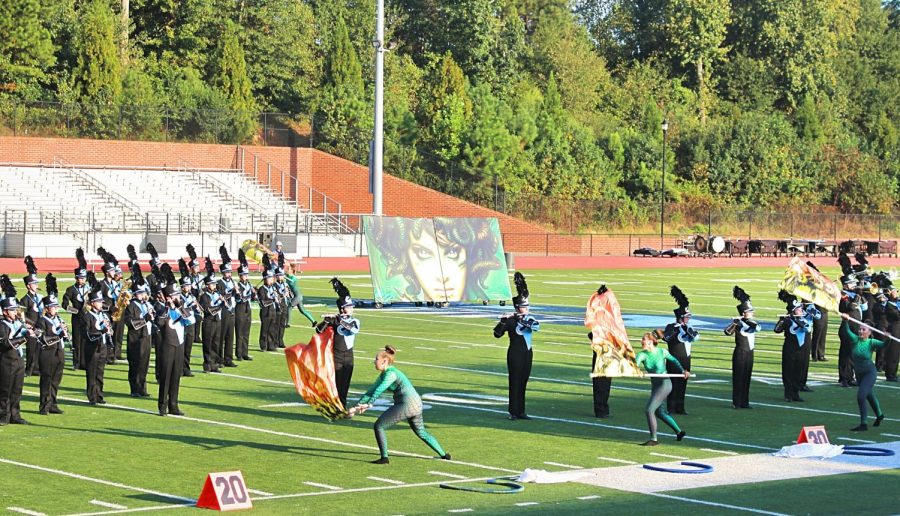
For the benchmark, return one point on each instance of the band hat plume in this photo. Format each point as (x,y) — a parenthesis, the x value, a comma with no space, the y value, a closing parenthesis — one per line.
(682,300)
(192,254)
(9,294)
(32,276)
(521,289)
(225,266)
(51,298)
(244,268)
(743,300)
(342,292)
(210,271)
(81,271)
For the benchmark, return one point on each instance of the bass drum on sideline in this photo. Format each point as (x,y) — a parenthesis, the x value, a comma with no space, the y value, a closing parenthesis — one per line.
(700,244)
(717,244)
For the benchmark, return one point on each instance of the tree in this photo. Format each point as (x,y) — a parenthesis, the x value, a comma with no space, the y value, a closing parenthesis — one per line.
(98,70)
(26,48)
(231,78)
(447,109)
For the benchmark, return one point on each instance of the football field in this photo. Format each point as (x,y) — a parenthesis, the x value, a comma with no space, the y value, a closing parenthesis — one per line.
(122,457)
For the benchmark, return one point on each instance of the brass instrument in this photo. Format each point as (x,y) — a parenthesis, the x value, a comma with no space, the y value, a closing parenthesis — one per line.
(874,289)
(20,314)
(122,303)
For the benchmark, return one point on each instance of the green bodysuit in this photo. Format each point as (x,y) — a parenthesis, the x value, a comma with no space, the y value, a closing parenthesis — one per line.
(654,362)
(866,374)
(293,284)
(407,405)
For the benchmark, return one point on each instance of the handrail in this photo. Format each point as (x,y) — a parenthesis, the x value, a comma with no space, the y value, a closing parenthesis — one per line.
(117,167)
(220,187)
(97,185)
(297,184)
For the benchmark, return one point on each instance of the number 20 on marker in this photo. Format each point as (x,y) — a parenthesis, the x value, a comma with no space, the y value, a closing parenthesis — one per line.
(225,491)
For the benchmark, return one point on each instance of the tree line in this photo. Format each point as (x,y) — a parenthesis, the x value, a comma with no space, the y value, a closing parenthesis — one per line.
(772,105)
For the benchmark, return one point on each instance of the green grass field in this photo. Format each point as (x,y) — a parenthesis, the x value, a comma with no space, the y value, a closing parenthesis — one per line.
(123,457)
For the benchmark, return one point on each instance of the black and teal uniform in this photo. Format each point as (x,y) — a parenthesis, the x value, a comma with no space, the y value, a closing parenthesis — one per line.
(654,362)
(861,355)
(407,405)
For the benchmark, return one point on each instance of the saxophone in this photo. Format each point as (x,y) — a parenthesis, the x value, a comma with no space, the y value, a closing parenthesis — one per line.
(122,303)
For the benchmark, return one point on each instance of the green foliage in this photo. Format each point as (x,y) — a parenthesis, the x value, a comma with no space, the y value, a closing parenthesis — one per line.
(26,48)
(231,78)
(97,73)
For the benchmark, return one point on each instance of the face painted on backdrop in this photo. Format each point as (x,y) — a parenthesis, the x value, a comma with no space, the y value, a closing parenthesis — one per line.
(437,275)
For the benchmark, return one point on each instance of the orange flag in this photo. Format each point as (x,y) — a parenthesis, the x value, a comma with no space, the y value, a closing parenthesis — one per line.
(609,340)
(312,369)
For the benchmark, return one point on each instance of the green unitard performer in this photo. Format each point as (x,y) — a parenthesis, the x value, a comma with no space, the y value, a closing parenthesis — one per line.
(866,374)
(653,360)
(407,405)
(293,282)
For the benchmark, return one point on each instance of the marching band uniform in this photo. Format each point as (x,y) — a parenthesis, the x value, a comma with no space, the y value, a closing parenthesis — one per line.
(171,322)
(892,347)
(816,314)
(242,313)
(601,386)
(52,360)
(285,292)
(520,328)
(680,337)
(819,337)
(189,329)
(139,317)
(111,290)
(226,290)
(796,326)
(73,302)
(744,330)
(12,361)
(345,328)
(98,344)
(34,307)
(211,303)
(270,305)
(853,305)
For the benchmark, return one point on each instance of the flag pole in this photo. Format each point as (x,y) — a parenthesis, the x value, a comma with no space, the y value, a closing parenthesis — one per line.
(876,330)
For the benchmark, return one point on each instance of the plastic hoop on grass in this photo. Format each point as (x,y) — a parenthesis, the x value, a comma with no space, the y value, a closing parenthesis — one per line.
(697,468)
(511,487)
(868,451)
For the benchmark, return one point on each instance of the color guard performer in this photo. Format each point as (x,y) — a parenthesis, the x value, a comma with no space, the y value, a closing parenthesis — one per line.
(52,355)
(863,347)
(520,327)
(345,327)
(211,303)
(293,281)
(245,294)
(655,361)
(74,302)
(226,289)
(33,304)
(744,329)
(680,336)
(13,334)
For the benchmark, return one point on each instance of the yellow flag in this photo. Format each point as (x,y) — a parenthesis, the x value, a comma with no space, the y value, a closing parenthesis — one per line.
(810,285)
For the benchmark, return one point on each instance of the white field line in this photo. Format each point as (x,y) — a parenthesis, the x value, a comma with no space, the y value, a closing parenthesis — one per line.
(258,492)
(569,466)
(387,480)
(715,504)
(526,504)
(25,511)
(108,505)
(589,497)
(620,461)
(323,486)
(369,489)
(676,457)
(891,435)
(426,348)
(719,451)
(454,511)
(97,480)
(864,441)
(286,434)
(139,509)
(448,475)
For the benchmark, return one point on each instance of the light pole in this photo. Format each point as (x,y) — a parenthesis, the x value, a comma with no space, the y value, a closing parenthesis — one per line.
(662,193)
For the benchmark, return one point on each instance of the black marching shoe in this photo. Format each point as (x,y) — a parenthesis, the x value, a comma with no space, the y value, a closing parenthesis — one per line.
(382,460)
(524,416)
(176,412)
(19,421)
(805,389)
(878,420)
(680,435)
(511,417)
(162,413)
(248,357)
(861,428)
(445,456)
(188,374)
(651,442)
(56,410)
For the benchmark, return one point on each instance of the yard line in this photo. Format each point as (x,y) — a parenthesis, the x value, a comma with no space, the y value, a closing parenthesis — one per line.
(891,435)
(139,509)
(376,488)
(715,504)
(460,510)
(448,475)
(25,511)
(525,504)
(323,486)
(676,457)
(108,505)
(97,480)
(589,497)
(620,461)
(389,481)
(258,492)
(563,465)
(426,348)
(864,441)
(719,451)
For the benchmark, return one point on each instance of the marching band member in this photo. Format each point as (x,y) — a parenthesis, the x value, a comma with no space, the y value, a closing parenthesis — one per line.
(211,303)
(866,374)
(139,318)
(796,325)
(74,302)
(226,289)
(345,328)
(172,317)
(111,289)
(407,405)
(34,307)
(284,293)
(190,330)
(852,304)
(245,294)
(816,314)
(892,350)
(98,345)
(680,336)
(13,335)
(744,329)
(53,339)
(520,327)
(656,361)
(196,287)
(270,304)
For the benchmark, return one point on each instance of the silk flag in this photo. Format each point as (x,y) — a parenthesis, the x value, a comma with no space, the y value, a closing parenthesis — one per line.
(810,285)
(609,340)
(312,369)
